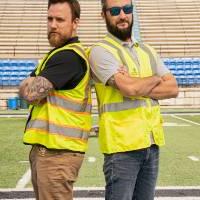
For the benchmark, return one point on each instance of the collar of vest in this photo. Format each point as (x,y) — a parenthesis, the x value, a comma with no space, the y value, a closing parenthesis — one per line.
(133,42)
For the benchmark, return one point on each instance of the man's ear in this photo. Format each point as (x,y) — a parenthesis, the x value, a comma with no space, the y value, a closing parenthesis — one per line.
(103,15)
(76,23)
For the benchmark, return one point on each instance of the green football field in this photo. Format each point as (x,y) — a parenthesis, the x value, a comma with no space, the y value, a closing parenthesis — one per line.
(179,163)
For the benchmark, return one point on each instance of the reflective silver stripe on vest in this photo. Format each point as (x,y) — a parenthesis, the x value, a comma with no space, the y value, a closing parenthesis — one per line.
(69,105)
(55,129)
(121,55)
(127,104)
(151,56)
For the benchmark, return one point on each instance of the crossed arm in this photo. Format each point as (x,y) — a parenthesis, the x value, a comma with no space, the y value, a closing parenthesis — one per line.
(35,89)
(167,88)
(154,86)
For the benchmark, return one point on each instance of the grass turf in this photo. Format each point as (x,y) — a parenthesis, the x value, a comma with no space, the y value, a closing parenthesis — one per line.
(12,151)
(176,169)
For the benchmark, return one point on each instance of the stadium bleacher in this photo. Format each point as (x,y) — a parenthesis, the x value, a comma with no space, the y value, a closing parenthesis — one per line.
(172,27)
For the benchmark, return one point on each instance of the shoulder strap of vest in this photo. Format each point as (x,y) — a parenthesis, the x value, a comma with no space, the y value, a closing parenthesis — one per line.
(112,44)
(82,52)
(152,58)
(77,47)
(41,63)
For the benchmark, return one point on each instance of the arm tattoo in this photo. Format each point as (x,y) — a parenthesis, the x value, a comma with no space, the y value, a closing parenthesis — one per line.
(111,82)
(38,89)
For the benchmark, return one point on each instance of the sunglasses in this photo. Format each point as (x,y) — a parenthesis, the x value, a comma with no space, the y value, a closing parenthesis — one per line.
(114,11)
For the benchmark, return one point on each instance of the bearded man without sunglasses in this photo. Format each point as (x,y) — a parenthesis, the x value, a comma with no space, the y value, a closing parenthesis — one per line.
(129,78)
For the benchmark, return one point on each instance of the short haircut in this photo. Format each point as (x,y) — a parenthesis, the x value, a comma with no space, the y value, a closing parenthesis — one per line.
(74,5)
(103,4)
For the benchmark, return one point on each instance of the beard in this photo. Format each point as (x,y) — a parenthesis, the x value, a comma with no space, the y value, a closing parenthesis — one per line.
(56,40)
(122,34)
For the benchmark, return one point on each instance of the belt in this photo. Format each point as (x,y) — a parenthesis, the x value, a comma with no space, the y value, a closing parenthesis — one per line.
(57,150)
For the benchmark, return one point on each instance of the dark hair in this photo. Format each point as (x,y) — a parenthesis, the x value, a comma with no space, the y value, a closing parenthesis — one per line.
(103,4)
(74,5)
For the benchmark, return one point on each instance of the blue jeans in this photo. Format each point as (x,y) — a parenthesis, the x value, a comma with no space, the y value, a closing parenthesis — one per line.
(131,175)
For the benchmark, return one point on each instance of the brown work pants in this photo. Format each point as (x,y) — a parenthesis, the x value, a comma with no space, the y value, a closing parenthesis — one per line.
(54,172)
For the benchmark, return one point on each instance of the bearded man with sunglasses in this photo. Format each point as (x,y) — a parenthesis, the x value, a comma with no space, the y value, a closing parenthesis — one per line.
(129,78)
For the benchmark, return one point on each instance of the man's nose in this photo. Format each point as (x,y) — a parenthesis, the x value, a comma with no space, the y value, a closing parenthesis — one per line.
(122,14)
(53,24)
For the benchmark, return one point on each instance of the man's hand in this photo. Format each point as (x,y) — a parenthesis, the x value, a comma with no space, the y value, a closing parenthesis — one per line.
(123,70)
(167,88)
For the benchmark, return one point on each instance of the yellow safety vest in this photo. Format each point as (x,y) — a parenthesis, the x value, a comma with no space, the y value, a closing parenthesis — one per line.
(127,123)
(64,121)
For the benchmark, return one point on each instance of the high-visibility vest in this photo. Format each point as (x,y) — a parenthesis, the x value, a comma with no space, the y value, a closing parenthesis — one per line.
(64,121)
(128,124)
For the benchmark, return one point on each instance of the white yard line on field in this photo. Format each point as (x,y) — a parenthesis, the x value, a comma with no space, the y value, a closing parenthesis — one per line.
(174,124)
(177,198)
(156,198)
(166,189)
(193,158)
(24,180)
(182,113)
(102,188)
(186,120)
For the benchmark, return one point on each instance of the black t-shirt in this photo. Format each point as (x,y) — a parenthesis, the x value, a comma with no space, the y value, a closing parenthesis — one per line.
(65,69)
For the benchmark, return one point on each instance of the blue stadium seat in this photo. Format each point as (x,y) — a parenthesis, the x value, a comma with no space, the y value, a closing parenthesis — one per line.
(14,77)
(191,81)
(180,71)
(1,64)
(172,65)
(14,63)
(188,63)
(197,77)
(174,72)
(190,78)
(13,71)
(31,65)
(196,61)
(186,70)
(180,63)
(195,65)
(1,73)
(5,79)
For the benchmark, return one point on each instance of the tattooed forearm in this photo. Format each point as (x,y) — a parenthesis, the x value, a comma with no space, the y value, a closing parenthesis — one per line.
(35,89)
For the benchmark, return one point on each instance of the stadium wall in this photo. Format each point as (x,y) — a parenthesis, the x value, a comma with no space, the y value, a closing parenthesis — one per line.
(187,98)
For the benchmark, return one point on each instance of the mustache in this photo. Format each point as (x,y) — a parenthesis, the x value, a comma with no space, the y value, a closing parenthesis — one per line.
(122,21)
(53,32)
